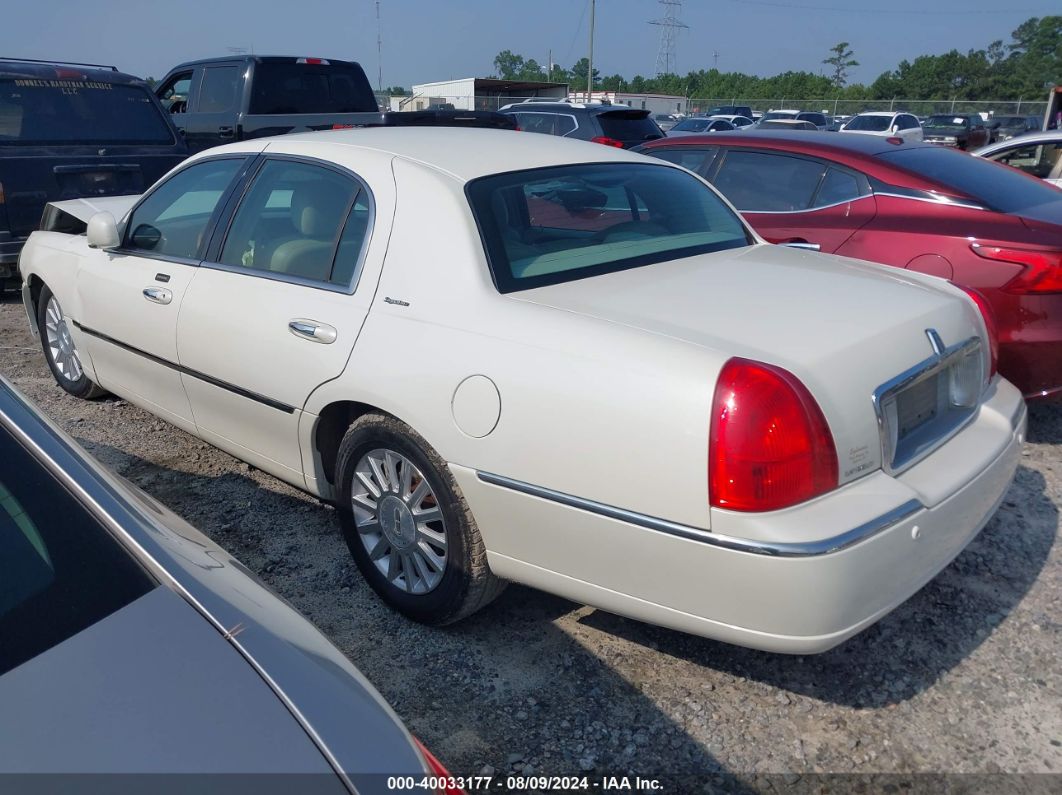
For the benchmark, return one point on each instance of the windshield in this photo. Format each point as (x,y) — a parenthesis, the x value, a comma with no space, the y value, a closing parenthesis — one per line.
(39,112)
(60,570)
(551,225)
(953,122)
(869,123)
(992,184)
(1011,121)
(779,114)
(284,87)
(692,125)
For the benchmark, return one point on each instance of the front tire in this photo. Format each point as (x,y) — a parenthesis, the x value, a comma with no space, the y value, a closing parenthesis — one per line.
(407,525)
(60,351)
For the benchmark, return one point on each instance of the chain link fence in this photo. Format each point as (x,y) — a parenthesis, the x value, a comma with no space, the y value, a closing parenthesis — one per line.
(850,107)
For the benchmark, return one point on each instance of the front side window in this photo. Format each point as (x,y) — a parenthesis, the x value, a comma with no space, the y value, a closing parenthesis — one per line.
(551,225)
(299,220)
(173,219)
(36,112)
(762,182)
(174,95)
(217,94)
(1040,160)
(60,570)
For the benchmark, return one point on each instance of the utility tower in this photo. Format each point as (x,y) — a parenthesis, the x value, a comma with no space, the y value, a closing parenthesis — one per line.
(670,24)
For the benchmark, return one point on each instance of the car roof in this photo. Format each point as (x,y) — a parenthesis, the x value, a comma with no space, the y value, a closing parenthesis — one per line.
(568,107)
(53,70)
(463,153)
(888,113)
(824,142)
(258,58)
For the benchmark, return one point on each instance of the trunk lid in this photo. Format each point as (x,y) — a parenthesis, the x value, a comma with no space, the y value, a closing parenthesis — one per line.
(843,327)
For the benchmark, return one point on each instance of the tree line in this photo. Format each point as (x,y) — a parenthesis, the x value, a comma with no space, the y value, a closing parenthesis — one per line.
(1026,66)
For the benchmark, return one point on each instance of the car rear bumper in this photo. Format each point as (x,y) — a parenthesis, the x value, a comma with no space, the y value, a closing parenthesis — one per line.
(9,251)
(791,593)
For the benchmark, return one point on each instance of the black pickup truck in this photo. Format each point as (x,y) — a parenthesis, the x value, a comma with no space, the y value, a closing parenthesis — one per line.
(220,100)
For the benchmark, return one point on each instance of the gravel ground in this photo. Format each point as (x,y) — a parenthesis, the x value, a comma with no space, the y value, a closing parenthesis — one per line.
(964,678)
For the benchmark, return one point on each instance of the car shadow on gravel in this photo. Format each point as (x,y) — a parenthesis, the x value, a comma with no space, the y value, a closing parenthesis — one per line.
(912,647)
(506,688)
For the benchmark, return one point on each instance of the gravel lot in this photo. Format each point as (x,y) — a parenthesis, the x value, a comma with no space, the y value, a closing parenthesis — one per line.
(964,678)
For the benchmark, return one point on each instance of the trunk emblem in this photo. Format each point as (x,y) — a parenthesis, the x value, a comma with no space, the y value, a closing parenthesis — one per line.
(936,342)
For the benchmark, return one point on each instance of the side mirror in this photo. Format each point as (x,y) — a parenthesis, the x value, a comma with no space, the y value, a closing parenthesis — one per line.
(895,128)
(102,231)
(146,237)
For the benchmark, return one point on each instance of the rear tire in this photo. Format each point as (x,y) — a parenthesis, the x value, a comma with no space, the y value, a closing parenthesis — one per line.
(59,350)
(407,525)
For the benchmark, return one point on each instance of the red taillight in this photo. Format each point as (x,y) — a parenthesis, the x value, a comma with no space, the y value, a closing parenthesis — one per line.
(1043,269)
(769,445)
(990,325)
(313,61)
(338,126)
(604,139)
(438,771)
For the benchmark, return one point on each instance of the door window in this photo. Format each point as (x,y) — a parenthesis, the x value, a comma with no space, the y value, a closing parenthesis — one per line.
(174,217)
(762,182)
(174,95)
(837,187)
(300,220)
(217,93)
(547,123)
(697,160)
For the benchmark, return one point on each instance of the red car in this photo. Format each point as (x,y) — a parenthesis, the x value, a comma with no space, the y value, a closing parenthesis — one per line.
(926,208)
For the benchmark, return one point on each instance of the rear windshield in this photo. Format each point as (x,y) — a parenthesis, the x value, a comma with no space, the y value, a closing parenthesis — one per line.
(60,569)
(814,118)
(692,125)
(629,126)
(283,88)
(39,111)
(992,184)
(552,225)
(869,123)
(778,114)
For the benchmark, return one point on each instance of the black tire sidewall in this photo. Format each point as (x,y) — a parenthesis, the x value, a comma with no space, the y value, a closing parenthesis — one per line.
(81,388)
(444,601)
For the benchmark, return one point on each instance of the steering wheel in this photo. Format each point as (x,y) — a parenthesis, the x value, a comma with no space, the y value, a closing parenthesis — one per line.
(630,230)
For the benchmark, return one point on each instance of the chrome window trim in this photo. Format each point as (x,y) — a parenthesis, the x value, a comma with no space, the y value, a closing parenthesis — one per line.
(230,217)
(809,209)
(780,549)
(924,369)
(940,201)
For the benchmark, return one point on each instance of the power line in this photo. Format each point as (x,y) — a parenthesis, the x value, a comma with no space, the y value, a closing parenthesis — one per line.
(913,12)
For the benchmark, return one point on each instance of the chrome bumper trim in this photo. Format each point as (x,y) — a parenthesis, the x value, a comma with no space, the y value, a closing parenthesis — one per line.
(798,549)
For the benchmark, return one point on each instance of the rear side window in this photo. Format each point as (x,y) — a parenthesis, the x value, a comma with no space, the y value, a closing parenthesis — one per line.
(695,159)
(546,123)
(299,220)
(990,184)
(217,93)
(60,570)
(762,182)
(551,225)
(630,126)
(36,112)
(837,186)
(174,217)
(289,87)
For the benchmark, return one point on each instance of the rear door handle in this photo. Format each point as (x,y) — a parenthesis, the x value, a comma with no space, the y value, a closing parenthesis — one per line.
(312,330)
(158,295)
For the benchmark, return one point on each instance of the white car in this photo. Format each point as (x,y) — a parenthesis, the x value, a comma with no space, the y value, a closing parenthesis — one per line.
(535,359)
(1038,153)
(886,124)
(737,121)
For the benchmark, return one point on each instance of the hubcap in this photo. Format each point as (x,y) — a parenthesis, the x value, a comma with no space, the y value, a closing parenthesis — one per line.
(399,521)
(61,346)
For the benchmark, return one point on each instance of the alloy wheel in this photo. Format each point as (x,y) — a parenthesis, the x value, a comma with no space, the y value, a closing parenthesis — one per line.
(61,346)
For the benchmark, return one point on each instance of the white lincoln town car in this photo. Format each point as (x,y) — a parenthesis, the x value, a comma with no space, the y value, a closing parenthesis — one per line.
(510,357)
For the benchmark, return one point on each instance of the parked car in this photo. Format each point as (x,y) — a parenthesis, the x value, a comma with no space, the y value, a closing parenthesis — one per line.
(913,206)
(1039,154)
(69,130)
(737,121)
(1003,128)
(820,120)
(837,123)
(665,121)
(775,115)
(885,123)
(697,125)
(219,100)
(613,125)
(786,124)
(730,110)
(131,643)
(588,300)
(963,131)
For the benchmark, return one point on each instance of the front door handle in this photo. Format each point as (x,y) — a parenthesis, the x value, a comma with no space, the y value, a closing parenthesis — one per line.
(312,330)
(226,132)
(158,295)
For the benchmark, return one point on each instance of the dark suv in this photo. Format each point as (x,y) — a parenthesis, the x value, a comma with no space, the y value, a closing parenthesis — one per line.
(612,125)
(70,131)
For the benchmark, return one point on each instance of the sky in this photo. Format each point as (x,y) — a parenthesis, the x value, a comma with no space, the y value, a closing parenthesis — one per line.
(429,40)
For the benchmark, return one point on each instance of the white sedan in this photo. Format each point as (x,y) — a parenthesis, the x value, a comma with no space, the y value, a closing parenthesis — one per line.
(517,357)
(1037,153)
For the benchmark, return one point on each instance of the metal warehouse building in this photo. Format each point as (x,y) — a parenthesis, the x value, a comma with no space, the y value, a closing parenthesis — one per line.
(479,93)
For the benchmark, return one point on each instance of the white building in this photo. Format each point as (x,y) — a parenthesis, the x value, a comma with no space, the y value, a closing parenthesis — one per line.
(477,93)
(657,103)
